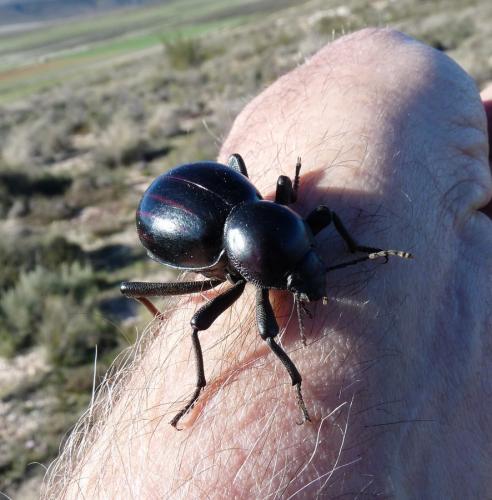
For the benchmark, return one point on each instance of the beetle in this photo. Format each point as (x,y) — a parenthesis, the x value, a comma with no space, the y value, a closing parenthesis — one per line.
(208,218)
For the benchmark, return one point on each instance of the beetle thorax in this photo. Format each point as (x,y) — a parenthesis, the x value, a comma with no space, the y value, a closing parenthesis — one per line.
(265,241)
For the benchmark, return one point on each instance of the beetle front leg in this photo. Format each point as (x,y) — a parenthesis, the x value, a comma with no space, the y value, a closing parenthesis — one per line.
(353,246)
(202,320)
(318,219)
(268,328)
(322,216)
(286,192)
(372,252)
(236,162)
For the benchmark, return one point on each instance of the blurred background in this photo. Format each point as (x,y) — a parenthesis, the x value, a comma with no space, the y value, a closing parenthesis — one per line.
(97,97)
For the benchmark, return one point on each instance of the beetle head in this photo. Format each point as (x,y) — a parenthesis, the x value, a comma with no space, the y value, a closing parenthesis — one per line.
(308,279)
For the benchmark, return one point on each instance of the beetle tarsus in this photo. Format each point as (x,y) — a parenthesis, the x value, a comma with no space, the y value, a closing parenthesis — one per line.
(302,405)
(390,253)
(174,422)
(200,376)
(295,376)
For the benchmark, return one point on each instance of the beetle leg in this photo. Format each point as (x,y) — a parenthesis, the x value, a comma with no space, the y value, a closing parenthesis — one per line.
(322,217)
(268,328)
(200,321)
(318,219)
(139,290)
(286,192)
(373,253)
(236,162)
(297,177)
(351,243)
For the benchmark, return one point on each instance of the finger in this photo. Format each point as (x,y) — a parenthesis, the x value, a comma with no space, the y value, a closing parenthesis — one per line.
(486,96)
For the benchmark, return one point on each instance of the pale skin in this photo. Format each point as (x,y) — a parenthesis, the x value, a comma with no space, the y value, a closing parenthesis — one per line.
(397,373)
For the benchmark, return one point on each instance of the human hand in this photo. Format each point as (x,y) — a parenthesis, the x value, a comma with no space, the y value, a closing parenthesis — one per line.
(397,374)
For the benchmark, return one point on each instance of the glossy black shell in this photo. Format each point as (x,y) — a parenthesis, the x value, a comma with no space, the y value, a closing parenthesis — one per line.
(265,240)
(181,217)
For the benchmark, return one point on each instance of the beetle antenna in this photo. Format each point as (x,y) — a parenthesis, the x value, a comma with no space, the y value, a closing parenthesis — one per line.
(297,176)
(390,253)
(300,309)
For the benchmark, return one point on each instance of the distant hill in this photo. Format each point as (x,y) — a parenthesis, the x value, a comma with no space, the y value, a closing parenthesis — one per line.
(28,11)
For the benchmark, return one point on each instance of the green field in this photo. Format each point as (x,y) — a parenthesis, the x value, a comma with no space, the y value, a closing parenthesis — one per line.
(33,60)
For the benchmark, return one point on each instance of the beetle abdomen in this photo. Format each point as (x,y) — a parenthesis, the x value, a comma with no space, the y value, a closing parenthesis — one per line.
(231,186)
(181,216)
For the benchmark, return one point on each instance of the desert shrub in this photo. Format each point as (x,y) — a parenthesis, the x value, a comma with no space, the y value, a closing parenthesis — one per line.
(40,196)
(122,144)
(38,143)
(44,210)
(18,183)
(56,308)
(331,24)
(57,250)
(100,186)
(12,262)
(6,201)
(184,53)
(50,185)
(199,146)
(164,123)
(20,256)
(92,188)
(51,143)
(71,329)
(22,307)
(43,134)
(15,183)
(444,34)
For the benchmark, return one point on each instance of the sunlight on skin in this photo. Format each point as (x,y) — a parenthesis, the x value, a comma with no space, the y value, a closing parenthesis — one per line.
(397,373)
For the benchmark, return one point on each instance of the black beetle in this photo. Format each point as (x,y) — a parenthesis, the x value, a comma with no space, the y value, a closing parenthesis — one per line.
(208,218)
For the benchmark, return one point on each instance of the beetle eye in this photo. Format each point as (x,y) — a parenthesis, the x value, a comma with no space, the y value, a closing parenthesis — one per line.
(294,281)
(290,281)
